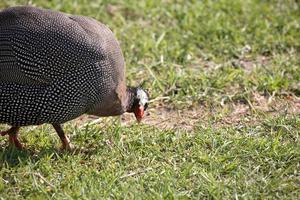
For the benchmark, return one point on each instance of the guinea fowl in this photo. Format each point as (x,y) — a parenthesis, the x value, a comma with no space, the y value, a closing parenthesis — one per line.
(55,67)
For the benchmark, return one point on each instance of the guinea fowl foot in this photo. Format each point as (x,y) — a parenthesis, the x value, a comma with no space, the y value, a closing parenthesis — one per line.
(13,139)
(13,136)
(3,133)
(66,145)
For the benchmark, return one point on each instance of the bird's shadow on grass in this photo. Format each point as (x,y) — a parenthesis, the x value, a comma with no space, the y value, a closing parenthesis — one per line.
(12,157)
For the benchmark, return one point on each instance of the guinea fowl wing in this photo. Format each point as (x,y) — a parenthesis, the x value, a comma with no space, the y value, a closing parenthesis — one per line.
(39,46)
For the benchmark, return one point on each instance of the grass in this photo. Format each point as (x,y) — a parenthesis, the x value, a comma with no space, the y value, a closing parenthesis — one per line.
(230,70)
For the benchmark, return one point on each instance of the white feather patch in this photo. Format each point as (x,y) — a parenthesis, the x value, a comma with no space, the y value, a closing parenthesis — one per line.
(142,95)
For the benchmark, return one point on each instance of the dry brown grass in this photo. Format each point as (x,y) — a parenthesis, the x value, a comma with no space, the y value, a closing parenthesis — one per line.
(231,114)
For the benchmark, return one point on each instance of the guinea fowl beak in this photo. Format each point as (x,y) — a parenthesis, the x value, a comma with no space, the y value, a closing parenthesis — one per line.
(139,113)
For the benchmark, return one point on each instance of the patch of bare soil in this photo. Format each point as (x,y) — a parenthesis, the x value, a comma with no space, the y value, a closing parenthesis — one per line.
(227,115)
(232,114)
(248,64)
(166,118)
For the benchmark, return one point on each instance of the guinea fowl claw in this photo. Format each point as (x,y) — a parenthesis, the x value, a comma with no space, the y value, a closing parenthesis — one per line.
(67,146)
(13,136)
(13,140)
(3,133)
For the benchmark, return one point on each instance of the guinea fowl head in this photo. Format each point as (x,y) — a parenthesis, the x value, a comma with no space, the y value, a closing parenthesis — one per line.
(138,102)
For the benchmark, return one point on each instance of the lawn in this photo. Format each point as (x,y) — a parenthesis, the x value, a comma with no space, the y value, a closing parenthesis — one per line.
(224,118)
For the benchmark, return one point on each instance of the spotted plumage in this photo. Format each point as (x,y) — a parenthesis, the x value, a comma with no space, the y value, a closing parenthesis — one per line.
(55,67)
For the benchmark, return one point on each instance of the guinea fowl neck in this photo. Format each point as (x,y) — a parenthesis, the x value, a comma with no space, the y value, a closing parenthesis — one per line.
(130,97)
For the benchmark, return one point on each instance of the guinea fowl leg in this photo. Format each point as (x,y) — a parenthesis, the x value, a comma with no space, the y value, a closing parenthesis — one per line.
(64,139)
(13,136)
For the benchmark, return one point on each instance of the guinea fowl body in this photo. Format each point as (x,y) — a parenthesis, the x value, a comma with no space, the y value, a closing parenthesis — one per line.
(55,67)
